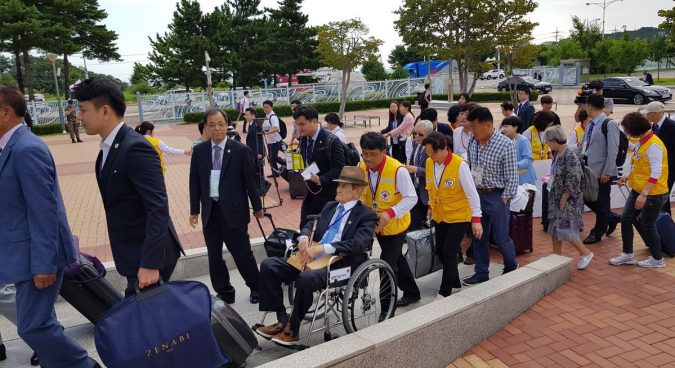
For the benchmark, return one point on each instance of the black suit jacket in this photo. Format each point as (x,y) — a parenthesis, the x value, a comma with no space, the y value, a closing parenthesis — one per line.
(258,148)
(357,235)
(237,183)
(136,205)
(667,135)
(329,170)
(390,126)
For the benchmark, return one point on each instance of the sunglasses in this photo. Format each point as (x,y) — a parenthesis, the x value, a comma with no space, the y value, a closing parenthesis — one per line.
(415,134)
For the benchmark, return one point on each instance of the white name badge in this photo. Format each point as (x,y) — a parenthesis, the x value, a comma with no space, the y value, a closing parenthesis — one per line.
(213,183)
(340,274)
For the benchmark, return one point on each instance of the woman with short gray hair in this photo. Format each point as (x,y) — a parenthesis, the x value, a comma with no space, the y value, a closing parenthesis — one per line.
(566,200)
(417,169)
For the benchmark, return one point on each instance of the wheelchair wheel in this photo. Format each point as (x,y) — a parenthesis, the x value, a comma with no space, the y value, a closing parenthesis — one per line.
(290,289)
(370,296)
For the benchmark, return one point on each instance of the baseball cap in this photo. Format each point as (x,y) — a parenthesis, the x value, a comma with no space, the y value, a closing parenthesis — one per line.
(654,106)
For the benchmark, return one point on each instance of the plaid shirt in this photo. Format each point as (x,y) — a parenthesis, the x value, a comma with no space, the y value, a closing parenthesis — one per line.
(498,160)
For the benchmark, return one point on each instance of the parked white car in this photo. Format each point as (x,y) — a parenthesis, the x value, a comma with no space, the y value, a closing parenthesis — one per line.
(493,74)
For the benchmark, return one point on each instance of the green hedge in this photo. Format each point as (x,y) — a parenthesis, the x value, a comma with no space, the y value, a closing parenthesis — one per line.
(47,129)
(326,107)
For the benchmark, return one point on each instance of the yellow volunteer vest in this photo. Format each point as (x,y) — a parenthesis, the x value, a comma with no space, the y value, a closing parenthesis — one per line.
(155,144)
(386,196)
(448,201)
(641,172)
(539,149)
(579,130)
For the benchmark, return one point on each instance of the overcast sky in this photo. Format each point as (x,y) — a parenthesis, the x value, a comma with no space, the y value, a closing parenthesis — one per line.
(135,20)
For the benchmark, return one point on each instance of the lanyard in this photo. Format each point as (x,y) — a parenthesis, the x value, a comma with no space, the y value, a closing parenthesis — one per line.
(337,220)
(374,192)
(438,182)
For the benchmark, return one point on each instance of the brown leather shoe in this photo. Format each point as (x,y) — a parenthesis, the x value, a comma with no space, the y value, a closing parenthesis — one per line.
(286,339)
(270,331)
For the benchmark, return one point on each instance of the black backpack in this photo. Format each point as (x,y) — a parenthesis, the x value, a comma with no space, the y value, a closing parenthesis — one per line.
(623,144)
(352,156)
(283,132)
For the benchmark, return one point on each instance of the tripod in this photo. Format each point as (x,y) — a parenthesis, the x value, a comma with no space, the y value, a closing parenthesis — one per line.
(256,129)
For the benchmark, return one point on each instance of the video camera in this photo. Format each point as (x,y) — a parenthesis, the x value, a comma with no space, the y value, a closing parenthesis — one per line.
(233,134)
(588,89)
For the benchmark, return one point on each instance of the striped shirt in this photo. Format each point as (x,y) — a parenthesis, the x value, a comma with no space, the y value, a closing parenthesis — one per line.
(497,160)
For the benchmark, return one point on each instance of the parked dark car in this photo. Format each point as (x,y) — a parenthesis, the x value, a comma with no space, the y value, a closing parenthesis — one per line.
(522,82)
(633,90)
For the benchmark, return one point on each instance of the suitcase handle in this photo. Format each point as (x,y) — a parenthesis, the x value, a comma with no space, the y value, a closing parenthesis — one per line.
(152,290)
(95,263)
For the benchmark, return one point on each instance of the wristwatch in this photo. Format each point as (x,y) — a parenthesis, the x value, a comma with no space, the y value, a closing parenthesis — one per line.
(643,193)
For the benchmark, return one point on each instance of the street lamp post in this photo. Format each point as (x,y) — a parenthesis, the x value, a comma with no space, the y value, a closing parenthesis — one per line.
(604,4)
(52,58)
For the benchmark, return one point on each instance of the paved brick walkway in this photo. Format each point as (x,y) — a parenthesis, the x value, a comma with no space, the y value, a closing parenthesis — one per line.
(603,317)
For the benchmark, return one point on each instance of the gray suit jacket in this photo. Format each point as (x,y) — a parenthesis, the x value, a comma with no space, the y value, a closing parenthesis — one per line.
(600,152)
(419,178)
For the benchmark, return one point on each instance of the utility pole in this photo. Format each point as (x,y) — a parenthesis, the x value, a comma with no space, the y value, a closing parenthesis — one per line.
(86,72)
(209,89)
(604,4)
(557,33)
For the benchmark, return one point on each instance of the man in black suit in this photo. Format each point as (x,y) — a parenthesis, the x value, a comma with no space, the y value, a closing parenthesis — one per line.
(314,148)
(346,227)
(664,128)
(525,109)
(432,115)
(143,240)
(223,180)
(256,142)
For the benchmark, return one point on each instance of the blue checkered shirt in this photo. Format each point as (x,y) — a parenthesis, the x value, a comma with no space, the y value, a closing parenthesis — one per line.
(498,160)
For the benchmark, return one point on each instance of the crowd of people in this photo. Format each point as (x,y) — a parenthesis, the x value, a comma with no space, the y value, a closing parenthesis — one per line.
(458,176)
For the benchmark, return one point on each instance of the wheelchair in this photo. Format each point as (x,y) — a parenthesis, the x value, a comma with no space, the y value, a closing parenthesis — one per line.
(356,299)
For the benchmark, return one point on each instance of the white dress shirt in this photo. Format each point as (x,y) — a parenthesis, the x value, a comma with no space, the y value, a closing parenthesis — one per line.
(328,248)
(106,144)
(274,123)
(466,181)
(404,185)
(170,150)
(5,137)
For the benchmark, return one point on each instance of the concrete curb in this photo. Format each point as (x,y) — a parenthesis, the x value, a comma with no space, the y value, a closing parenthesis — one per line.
(440,332)
(195,264)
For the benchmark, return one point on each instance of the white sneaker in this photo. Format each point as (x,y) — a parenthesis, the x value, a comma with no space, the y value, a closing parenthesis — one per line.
(584,261)
(622,259)
(652,263)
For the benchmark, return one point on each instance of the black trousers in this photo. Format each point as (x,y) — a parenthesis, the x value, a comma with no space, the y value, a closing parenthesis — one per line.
(666,205)
(392,247)
(274,272)
(602,209)
(312,204)
(418,215)
(448,240)
(238,244)
(165,273)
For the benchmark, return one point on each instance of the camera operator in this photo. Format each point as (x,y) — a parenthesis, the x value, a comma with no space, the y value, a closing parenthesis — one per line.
(593,88)
(255,141)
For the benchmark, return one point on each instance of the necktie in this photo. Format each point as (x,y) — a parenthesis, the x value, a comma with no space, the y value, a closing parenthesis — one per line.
(656,128)
(310,150)
(335,226)
(217,157)
(418,156)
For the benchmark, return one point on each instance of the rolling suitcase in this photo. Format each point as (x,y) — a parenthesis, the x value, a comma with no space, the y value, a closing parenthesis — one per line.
(88,290)
(666,229)
(296,184)
(280,240)
(421,255)
(235,338)
(520,231)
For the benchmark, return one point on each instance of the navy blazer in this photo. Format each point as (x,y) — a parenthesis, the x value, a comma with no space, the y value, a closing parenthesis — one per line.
(357,235)
(525,111)
(237,184)
(329,170)
(136,205)
(34,235)
(667,135)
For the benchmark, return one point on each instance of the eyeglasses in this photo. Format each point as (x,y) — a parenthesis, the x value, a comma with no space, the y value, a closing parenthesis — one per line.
(415,134)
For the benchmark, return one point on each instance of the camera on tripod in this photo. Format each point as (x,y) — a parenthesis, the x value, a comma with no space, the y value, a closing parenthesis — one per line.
(233,134)
(588,89)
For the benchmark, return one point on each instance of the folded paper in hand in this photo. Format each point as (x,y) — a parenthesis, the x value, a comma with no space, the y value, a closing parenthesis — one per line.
(311,169)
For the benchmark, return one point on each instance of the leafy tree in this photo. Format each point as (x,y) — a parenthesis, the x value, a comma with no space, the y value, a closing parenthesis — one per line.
(570,49)
(402,55)
(518,54)
(628,54)
(373,70)
(178,56)
(398,73)
(586,34)
(293,40)
(344,45)
(659,48)
(468,31)
(668,24)
(247,34)
(73,26)
(22,30)
(143,73)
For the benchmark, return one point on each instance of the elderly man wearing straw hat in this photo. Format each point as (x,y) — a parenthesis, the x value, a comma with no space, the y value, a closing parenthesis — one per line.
(346,226)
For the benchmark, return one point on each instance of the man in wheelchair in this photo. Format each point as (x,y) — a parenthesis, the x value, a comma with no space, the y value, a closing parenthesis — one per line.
(346,228)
